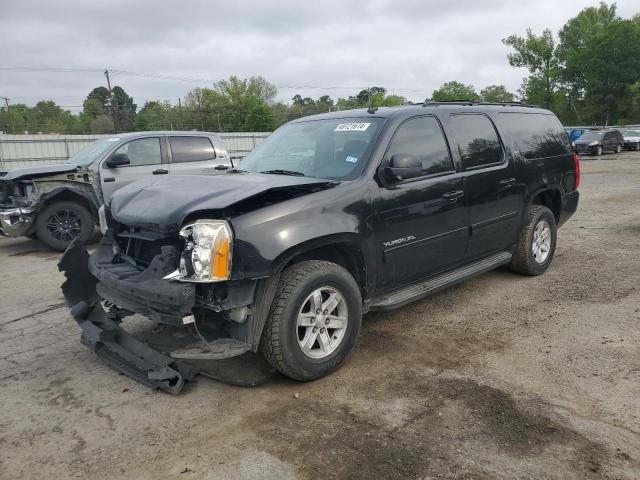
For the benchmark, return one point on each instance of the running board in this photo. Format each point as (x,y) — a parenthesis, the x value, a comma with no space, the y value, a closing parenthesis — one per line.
(420,290)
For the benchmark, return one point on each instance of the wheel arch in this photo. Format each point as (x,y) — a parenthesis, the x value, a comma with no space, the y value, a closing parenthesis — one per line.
(63,194)
(550,197)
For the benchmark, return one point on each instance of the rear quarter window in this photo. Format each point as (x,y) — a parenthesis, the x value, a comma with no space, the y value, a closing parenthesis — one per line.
(536,135)
(191,149)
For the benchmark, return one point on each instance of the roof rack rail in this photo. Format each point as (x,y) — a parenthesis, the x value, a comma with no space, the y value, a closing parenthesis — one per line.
(473,101)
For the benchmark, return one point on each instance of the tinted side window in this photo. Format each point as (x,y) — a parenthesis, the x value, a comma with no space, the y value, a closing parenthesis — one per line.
(191,149)
(423,138)
(536,135)
(143,151)
(477,140)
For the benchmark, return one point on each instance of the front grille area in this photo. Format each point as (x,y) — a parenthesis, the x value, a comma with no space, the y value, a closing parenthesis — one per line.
(141,245)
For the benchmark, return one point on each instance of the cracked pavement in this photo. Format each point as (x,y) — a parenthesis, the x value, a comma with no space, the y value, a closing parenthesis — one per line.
(501,377)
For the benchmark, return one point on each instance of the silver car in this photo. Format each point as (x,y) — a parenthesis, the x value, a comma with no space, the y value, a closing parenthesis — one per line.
(57,203)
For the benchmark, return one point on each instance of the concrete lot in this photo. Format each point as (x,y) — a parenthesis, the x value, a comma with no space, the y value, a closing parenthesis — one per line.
(501,377)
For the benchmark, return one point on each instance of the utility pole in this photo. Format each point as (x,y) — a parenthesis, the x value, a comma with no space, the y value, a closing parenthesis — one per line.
(180,111)
(106,74)
(6,101)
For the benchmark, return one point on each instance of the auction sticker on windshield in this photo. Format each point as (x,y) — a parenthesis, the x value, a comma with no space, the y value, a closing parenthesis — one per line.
(351,127)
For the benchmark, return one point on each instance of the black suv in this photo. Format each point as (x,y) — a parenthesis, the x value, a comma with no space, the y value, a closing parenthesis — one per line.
(596,142)
(331,216)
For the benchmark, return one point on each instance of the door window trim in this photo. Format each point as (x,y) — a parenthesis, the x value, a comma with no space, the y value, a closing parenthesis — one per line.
(385,159)
(504,159)
(163,150)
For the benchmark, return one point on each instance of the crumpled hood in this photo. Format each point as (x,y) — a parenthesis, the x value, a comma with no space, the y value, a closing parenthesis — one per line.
(38,171)
(164,202)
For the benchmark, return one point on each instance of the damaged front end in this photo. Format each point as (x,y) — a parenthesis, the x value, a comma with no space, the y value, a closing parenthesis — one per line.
(127,275)
(24,193)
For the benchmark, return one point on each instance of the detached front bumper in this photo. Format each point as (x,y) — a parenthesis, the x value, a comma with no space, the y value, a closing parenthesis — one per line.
(16,221)
(114,345)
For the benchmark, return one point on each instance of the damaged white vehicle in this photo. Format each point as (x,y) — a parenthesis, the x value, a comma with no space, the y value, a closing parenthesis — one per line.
(58,203)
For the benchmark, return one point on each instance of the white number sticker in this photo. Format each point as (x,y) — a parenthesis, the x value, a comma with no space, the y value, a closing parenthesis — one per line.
(351,127)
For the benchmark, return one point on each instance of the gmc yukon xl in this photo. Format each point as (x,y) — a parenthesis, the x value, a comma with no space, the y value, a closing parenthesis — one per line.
(331,216)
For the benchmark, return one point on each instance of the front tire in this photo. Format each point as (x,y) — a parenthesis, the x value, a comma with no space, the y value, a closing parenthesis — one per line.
(598,151)
(59,223)
(536,243)
(314,320)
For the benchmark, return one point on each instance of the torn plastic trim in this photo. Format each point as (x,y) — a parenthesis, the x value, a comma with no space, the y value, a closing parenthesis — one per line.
(16,221)
(113,344)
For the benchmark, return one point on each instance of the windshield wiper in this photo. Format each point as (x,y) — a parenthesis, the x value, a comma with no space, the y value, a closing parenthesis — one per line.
(236,170)
(284,172)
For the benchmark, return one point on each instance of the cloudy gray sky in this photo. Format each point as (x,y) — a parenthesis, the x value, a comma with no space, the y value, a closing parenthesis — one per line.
(334,47)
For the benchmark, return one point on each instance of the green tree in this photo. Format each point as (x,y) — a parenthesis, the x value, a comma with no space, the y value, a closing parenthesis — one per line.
(496,93)
(102,124)
(454,90)
(537,53)
(123,110)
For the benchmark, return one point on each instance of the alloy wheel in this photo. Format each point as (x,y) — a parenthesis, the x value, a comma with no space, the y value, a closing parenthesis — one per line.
(64,225)
(322,322)
(541,244)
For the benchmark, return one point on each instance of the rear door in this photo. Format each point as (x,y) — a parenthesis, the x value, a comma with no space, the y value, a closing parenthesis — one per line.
(195,155)
(147,156)
(491,187)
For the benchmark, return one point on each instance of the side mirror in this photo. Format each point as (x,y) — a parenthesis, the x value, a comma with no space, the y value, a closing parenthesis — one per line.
(117,160)
(403,166)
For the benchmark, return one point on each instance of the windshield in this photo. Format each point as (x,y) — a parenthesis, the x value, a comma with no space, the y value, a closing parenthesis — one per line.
(632,133)
(591,136)
(90,153)
(336,149)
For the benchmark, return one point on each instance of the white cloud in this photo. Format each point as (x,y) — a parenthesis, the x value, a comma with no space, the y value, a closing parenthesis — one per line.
(402,45)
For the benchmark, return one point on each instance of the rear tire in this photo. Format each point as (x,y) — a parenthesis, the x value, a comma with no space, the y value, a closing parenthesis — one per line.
(618,148)
(59,223)
(536,243)
(637,147)
(298,341)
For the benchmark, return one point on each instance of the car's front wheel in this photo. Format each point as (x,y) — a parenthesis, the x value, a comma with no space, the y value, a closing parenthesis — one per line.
(314,320)
(59,223)
(598,150)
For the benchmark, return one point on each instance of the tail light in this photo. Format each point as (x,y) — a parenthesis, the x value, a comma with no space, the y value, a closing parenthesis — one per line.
(576,165)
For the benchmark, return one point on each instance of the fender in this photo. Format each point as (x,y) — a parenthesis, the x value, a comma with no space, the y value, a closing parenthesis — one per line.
(68,193)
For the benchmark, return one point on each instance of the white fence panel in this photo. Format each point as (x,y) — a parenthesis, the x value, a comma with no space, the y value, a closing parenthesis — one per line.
(21,151)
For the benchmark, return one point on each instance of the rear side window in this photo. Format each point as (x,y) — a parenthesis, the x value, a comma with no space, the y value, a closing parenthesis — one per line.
(423,138)
(477,140)
(191,149)
(536,135)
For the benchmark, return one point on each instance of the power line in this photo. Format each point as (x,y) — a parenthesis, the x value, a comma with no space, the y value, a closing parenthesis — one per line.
(200,80)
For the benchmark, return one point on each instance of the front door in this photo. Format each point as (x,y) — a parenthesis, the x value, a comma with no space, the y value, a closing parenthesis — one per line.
(145,159)
(420,225)
(493,192)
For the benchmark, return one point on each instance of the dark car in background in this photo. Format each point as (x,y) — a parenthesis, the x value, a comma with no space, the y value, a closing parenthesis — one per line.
(596,142)
(632,139)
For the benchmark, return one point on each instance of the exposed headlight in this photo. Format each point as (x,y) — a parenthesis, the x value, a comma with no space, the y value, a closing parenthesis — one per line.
(593,144)
(207,256)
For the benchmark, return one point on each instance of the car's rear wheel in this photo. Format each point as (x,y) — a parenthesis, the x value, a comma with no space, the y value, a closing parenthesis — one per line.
(536,243)
(59,223)
(314,320)
(637,147)
(618,148)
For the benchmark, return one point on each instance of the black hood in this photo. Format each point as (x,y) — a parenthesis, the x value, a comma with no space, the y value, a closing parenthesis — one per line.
(164,202)
(35,172)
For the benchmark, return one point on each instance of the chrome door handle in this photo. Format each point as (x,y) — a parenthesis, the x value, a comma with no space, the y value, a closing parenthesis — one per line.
(453,196)
(507,181)
(221,167)
(160,171)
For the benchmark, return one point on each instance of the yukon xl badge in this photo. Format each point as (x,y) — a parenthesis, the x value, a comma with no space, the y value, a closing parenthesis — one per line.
(398,241)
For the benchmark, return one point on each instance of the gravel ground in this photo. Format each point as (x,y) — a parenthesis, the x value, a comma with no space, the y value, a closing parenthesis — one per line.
(503,376)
